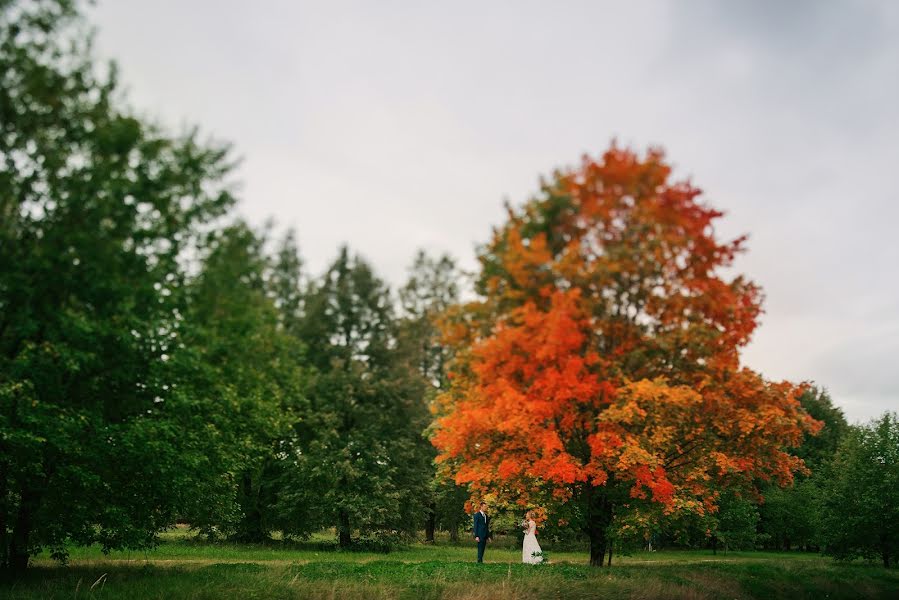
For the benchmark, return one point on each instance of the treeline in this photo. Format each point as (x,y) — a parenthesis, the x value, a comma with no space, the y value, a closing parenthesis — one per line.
(161,361)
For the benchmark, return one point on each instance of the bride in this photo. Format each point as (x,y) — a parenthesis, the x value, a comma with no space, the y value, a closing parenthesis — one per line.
(530,546)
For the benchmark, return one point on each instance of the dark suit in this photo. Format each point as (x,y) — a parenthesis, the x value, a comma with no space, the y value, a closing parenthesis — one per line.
(482,532)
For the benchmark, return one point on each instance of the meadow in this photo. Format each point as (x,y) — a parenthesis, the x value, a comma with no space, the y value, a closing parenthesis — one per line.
(184,567)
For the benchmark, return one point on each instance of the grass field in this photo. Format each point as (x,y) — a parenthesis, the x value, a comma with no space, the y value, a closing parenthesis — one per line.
(184,568)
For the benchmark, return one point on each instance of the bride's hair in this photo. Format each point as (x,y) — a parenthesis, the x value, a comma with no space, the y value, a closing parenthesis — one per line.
(529,515)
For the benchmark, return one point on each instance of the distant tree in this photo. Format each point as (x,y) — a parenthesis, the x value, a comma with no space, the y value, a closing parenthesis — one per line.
(430,290)
(819,449)
(245,372)
(449,505)
(791,516)
(98,209)
(734,524)
(359,451)
(861,493)
(287,283)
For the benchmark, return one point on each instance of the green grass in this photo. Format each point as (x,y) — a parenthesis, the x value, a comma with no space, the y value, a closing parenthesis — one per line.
(184,568)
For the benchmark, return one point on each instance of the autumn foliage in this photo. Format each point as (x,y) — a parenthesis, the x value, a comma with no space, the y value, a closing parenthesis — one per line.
(600,367)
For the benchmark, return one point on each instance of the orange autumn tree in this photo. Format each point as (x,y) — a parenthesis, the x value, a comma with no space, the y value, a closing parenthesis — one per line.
(600,367)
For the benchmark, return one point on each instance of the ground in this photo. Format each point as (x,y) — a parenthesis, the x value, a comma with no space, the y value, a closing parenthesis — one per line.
(184,568)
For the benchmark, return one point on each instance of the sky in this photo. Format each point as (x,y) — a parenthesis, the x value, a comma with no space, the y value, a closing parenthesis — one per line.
(393,126)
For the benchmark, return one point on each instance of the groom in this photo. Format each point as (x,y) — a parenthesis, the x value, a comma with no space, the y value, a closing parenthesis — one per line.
(481,530)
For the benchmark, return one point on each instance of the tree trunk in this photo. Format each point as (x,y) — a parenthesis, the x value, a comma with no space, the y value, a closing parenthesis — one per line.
(343,529)
(430,524)
(250,528)
(17,559)
(597,548)
(4,536)
(599,518)
(609,564)
(714,544)
(454,533)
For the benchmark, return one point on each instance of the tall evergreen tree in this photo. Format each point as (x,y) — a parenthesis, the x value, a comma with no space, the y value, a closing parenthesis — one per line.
(430,290)
(286,283)
(359,449)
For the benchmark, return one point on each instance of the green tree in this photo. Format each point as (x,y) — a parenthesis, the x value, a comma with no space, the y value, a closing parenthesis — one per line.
(246,372)
(359,451)
(861,493)
(431,289)
(286,283)
(734,524)
(819,449)
(790,516)
(97,209)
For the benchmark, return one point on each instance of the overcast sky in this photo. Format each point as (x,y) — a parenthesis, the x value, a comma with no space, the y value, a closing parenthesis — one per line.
(399,125)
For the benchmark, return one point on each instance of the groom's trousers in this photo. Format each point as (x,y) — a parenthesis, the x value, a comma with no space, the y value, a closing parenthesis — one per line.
(481,546)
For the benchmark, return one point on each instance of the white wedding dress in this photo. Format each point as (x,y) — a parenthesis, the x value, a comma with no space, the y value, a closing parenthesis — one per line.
(530,546)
